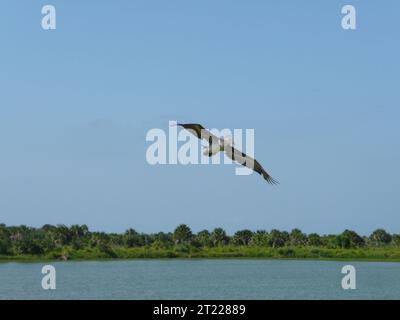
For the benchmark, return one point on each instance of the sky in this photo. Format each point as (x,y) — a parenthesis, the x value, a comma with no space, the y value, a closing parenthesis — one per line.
(76,104)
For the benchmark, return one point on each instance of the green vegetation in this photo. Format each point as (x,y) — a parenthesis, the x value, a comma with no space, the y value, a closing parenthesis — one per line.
(60,242)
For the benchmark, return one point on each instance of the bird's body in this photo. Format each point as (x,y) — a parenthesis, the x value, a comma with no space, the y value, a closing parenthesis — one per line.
(216,145)
(213,149)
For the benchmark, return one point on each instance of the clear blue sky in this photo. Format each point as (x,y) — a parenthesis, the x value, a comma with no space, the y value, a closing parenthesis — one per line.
(76,103)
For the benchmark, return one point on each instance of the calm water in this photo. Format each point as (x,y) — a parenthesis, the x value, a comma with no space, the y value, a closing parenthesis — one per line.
(200,279)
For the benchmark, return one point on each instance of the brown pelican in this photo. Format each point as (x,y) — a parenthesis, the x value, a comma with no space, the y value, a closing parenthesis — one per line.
(216,144)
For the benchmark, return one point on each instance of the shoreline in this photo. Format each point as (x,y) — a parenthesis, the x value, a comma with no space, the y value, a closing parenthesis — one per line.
(221,253)
(195,259)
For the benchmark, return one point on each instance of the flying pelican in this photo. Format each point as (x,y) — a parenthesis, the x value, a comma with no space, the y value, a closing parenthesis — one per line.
(216,144)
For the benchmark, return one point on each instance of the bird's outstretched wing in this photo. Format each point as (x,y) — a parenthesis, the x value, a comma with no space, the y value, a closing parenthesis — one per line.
(200,132)
(249,162)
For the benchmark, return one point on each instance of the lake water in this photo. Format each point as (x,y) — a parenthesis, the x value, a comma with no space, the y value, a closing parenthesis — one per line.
(200,279)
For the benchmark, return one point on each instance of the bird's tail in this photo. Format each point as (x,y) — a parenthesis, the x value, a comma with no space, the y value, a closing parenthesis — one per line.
(269,178)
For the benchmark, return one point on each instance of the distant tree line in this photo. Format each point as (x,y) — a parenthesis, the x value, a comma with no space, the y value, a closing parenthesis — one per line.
(23,240)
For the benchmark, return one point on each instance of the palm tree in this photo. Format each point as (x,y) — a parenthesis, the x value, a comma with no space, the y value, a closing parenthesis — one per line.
(5,242)
(297,238)
(396,240)
(278,238)
(380,237)
(315,240)
(63,235)
(260,238)
(182,234)
(353,238)
(164,239)
(218,237)
(242,237)
(204,238)
(133,239)
(78,231)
